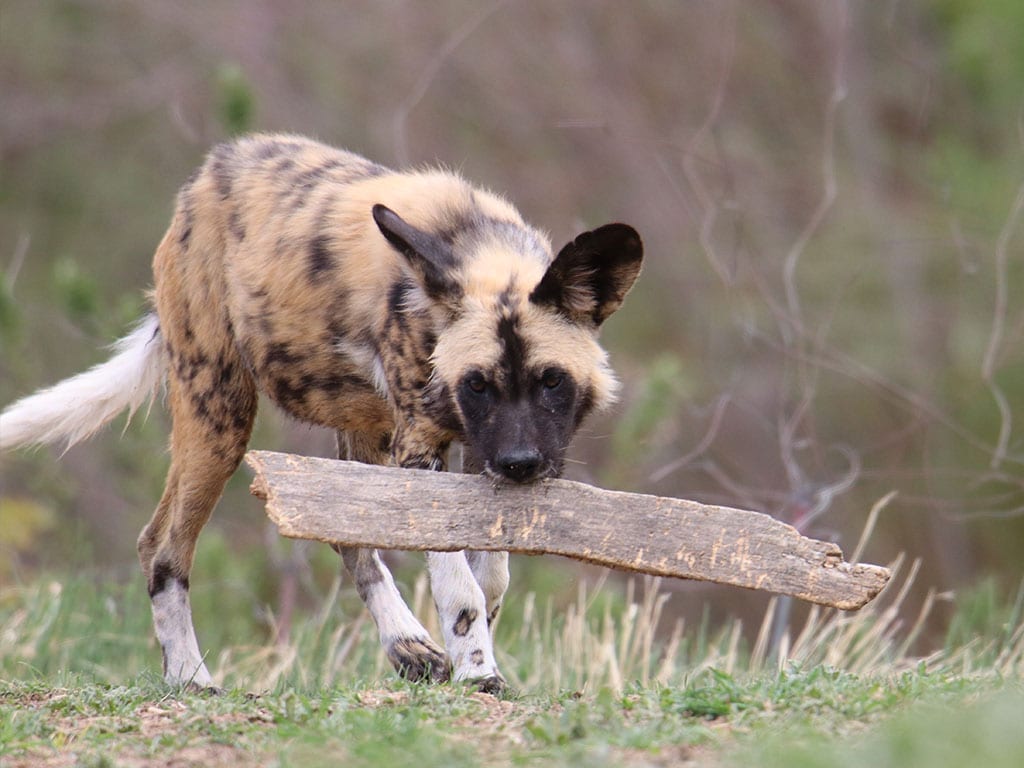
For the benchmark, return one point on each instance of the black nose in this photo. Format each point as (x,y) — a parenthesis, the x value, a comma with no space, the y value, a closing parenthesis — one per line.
(520,466)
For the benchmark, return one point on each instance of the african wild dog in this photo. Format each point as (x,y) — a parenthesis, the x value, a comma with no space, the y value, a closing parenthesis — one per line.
(403,310)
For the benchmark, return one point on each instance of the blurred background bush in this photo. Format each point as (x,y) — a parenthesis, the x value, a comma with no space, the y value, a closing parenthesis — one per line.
(829,195)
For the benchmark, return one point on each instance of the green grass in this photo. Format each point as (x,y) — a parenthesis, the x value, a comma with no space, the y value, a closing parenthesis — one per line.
(797,718)
(600,682)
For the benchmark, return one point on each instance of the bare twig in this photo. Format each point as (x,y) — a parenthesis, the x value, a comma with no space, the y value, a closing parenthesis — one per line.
(17,261)
(828,172)
(995,338)
(706,202)
(705,442)
(429,73)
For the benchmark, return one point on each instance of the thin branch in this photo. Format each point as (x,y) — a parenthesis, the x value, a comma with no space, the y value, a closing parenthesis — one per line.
(995,338)
(828,172)
(429,74)
(709,209)
(17,261)
(702,446)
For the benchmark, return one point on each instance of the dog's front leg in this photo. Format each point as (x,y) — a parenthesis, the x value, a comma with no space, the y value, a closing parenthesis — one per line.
(461,604)
(462,610)
(408,645)
(490,569)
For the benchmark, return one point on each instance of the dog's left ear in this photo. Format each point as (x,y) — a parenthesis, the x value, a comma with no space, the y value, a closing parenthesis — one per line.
(429,256)
(591,276)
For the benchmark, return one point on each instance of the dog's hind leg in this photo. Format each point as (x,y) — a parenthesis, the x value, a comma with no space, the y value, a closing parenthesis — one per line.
(407,643)
(213,404)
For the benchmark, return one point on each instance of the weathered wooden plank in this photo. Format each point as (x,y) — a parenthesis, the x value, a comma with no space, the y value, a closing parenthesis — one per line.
(354,504)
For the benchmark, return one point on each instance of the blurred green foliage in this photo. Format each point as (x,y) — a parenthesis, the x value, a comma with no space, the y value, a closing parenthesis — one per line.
(983,613)
(985,49)
(236,101)
(77,291)
(985,732)
(10,317)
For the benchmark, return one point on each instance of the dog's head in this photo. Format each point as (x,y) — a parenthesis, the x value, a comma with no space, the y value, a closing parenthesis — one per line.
(517,364)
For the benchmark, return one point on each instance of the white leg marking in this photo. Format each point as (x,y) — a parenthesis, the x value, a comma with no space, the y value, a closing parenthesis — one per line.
(392,616)
(463,613)
(490,569)
(408,645)
(172,617)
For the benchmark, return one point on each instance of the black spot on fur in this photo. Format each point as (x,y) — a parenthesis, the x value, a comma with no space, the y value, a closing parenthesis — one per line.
(361,565)
(187,367)
(288,392)
(162,573)
(225,371)
(222,177)
(457,224)
(320,258)
(438,405)
(283,167)
(279,353)
(328,203)
(315,174)
(396,300)
(185,236)
(477,657)
(464,621)
(332,383)
(268,150)
(235,225)
(241,420)
(334,322)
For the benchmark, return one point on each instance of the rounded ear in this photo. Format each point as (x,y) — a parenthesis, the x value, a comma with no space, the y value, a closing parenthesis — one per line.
(430,257)
(591,276)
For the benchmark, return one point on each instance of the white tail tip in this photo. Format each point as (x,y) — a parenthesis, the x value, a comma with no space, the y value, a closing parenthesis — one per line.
(75,408)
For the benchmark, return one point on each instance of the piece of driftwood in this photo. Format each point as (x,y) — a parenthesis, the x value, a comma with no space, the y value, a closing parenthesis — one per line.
(352,504)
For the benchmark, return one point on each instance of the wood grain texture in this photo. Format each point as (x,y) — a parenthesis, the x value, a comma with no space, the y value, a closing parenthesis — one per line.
(352,504)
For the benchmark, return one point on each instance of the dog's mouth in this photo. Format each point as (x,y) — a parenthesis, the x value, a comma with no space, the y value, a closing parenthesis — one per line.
(513,475)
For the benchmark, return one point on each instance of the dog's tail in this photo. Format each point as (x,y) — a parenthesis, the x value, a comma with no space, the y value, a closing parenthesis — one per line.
(75,408)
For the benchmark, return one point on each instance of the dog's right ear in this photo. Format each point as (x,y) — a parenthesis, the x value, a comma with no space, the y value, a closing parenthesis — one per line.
(430,257)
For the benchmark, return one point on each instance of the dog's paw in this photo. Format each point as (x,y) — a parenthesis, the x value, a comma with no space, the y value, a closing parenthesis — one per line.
(419,658)
(493,684)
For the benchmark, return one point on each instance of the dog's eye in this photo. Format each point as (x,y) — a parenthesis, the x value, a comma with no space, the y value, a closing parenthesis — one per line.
(476,385)
(552,379)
